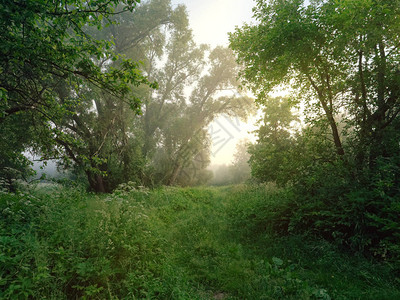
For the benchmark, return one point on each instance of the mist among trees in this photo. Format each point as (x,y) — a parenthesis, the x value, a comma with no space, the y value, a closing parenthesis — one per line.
(85,99)
(119,94)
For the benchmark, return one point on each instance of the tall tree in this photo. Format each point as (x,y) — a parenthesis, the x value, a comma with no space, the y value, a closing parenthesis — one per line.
(44,48)
(341,59)
(240,168)
(291,44)
(193,89)
(339,56)
(98,136)
(182,135)
(45,44)
(167,143)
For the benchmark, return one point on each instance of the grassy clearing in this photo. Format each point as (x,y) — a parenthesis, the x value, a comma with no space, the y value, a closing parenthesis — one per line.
(172,243)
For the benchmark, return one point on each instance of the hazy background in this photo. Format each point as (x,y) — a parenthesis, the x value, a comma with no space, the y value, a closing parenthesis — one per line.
(211,20)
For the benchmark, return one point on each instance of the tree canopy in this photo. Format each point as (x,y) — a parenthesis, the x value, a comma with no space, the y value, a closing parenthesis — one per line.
(339,56)
(340,62)
(47,57)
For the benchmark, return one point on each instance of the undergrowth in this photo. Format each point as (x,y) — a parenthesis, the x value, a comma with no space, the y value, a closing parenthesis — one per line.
(173,243)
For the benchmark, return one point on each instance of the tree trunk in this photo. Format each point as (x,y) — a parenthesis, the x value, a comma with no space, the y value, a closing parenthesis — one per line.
(175,174)
(96,182)
(332,124)
(378,117)
(336,137)
(323,99)
(364,123)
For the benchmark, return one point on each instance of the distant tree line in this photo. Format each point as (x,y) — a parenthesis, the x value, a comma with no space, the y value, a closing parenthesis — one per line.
(238,171)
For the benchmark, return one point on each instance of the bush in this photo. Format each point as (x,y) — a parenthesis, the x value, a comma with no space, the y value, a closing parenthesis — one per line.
(72,244)
(357,211)
(260,210)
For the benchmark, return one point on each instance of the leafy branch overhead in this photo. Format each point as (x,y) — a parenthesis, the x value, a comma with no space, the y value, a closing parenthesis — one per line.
(46,43)
(49,55)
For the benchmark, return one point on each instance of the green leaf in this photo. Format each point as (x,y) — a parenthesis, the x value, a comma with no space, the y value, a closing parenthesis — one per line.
(277,261)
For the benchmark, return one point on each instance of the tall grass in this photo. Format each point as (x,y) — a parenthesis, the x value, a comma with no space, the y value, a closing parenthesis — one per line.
(172,243)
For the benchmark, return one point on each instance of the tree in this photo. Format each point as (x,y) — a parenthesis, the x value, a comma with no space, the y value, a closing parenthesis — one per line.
(167,143)
(47,57)
(291,44)
(337,59)
(45,44)
(240,168)
(269,156)
(183,135)
(101,137)
(341,60)
(193,89)
(372,39)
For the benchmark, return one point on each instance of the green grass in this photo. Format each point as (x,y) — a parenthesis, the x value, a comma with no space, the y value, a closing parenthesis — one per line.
(173,243)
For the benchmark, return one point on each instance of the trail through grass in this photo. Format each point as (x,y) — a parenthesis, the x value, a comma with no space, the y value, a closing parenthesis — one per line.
(172,243)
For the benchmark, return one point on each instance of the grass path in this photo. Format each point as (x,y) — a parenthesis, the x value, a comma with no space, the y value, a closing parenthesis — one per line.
(227,259)
(172,243)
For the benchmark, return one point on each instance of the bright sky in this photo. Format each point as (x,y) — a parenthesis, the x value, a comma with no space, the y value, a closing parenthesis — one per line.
(211,20)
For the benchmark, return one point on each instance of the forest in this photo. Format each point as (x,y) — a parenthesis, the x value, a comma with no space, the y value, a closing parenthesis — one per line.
(120,96)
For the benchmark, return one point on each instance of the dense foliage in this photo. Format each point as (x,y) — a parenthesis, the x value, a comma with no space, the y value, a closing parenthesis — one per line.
(47,60)
(340,59)
(270,158)
(171,243)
